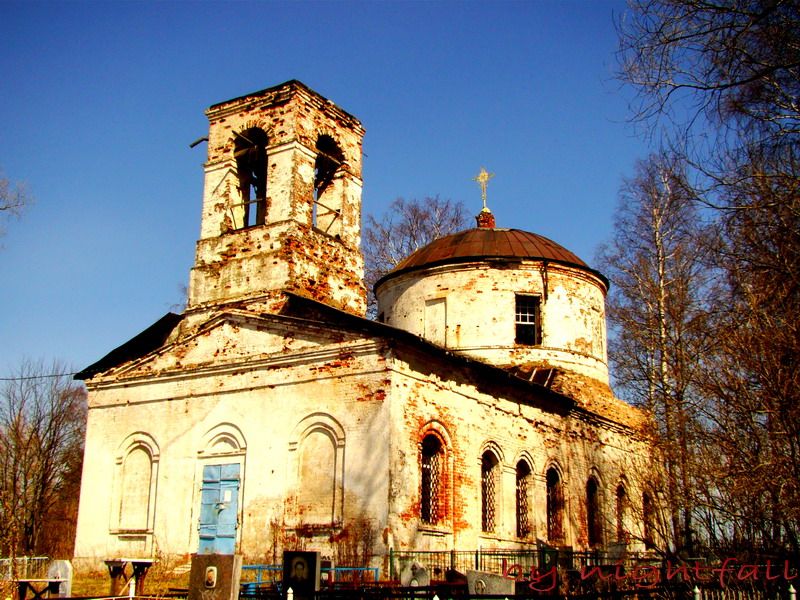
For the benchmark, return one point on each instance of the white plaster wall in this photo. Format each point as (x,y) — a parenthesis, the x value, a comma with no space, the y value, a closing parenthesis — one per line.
(480,302)
(264,404)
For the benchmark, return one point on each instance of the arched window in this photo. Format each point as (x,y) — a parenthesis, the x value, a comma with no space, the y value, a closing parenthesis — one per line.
(555,507)
(594,526)
(490,472)
(621,510)
(317,481)
(522,505)
(317,458)
(250,151)
(137,471)
(134,484)
(647,520)
(432,462)
(327,206)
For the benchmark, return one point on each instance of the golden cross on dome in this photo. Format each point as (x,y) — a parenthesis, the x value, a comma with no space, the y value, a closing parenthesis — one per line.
(483,180)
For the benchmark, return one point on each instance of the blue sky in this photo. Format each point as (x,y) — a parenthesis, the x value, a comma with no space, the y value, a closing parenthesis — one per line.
(100,101)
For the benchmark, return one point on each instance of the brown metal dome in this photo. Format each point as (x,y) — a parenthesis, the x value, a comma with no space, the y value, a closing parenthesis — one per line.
(487,243)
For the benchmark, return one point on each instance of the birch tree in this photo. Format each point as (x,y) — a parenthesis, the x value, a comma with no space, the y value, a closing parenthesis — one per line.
(657,314)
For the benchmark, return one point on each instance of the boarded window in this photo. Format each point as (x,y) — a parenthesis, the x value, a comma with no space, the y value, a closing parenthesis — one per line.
(555,507)
(490,471)
(593,517)
(522,505)
(317,482)
(436,321)
(136,480)
(528,320)
(250,151)
(432,461)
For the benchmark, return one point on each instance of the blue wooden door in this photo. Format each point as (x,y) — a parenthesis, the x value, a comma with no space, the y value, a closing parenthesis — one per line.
(219,509)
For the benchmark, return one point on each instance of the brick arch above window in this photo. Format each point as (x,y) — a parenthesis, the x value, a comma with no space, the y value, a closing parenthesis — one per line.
(138,439)
(525,456)
(250,124)
(495,449)
(316,421)
(437,428)
(224,439)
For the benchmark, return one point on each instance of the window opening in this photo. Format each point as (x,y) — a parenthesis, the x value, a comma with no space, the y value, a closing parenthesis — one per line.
(528,320)
(329,158)
(647,520)
(555,507)
(432,463)
(621,502)
(250,151)
(523,479)
(489,469)
(593,524)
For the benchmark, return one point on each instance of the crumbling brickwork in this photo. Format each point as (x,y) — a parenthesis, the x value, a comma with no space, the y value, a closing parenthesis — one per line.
(308,237)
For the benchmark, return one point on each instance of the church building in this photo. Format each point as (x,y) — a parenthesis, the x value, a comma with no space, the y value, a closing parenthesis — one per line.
(475,412)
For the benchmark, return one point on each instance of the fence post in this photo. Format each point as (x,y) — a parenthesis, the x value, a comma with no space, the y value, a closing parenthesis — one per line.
(792,592)
(696,593)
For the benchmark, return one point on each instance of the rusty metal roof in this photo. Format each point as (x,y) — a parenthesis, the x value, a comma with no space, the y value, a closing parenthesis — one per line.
(484,243)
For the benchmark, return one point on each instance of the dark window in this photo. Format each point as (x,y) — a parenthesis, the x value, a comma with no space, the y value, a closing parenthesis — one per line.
(489,474)
(593,523)
(326,208)
(555,508)
(430,492)
(528,320)
(647,520)
(622,501)
(250,151)
(523,480)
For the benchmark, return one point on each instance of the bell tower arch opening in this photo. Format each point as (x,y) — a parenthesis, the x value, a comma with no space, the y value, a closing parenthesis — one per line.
(327,209)
(250,152)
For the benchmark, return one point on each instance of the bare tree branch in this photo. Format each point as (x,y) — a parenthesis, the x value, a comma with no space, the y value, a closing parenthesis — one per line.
(407,226)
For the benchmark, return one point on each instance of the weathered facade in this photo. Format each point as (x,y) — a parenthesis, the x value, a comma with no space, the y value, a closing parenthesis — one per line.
(272,414)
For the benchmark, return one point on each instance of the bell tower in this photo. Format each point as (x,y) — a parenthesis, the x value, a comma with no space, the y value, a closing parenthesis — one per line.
(281,202)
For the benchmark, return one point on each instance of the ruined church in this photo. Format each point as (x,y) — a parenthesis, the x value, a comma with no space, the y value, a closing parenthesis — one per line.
(475,412)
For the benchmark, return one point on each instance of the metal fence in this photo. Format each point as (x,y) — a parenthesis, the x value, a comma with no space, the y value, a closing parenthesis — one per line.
(441,592)
(500,561)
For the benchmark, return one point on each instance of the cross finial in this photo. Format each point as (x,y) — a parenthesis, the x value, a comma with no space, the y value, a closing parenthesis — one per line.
(483,180)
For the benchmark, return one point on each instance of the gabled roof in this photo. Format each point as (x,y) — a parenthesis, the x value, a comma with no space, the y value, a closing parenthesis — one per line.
(148,340)
(154,337)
